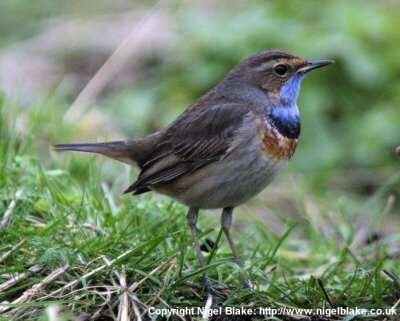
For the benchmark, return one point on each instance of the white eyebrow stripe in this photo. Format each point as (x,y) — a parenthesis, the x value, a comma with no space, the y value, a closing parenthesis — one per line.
(266,65)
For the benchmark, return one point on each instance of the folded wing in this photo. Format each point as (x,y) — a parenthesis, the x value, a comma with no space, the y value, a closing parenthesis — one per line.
(197,138)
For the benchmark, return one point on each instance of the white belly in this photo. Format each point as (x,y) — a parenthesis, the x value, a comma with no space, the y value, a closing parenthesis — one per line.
(226,183)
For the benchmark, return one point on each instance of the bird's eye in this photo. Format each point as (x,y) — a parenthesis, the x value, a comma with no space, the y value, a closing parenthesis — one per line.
(281,70)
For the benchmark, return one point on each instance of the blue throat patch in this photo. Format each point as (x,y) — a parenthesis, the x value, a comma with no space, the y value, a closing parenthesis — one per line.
(285,117)
(286,121)
(291,90)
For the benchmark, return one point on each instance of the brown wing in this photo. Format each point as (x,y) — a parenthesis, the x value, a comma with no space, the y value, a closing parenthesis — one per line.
(198,137)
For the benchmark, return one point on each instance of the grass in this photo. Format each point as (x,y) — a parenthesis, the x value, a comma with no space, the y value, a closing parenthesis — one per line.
(74,245)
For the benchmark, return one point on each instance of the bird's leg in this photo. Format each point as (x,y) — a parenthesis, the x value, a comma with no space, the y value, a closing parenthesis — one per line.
(226,223)
(192,220)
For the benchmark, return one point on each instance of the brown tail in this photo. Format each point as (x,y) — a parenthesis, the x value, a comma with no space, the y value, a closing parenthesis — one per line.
(133,151)
(119,150)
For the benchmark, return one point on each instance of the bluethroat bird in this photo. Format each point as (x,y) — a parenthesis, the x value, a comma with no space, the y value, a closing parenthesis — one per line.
(227,146)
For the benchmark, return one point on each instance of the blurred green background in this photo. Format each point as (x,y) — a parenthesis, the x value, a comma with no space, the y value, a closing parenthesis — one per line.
(49,50)
(99,70)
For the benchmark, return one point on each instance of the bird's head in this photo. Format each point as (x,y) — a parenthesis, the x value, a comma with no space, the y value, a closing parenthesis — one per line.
(270,81)
(279,74)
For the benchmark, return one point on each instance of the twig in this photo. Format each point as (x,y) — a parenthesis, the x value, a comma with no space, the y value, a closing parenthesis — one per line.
(123,309)
(87,226)
(19,277)
(135,307)
(89,274)
(135,285)
(10,211)
(394,307)
(35,289)
(13,249)
(165,283)
(107,290)
(112,66)
(207,307)
(104,304)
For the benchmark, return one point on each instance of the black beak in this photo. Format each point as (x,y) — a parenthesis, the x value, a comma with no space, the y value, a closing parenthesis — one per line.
(315,64)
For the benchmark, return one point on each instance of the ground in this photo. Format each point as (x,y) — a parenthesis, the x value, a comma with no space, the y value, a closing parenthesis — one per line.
(72,246)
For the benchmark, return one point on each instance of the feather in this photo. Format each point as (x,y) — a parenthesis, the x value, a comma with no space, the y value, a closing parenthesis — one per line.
(199,137)
(119,150)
